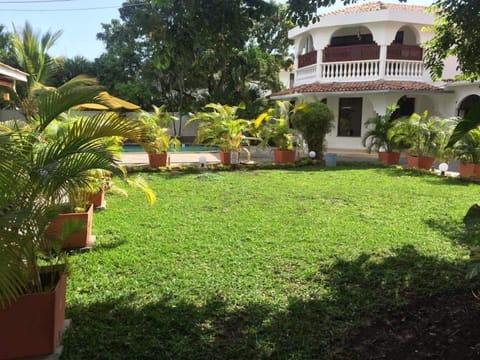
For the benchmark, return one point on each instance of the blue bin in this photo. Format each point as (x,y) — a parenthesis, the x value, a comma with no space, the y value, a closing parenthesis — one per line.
(330,159)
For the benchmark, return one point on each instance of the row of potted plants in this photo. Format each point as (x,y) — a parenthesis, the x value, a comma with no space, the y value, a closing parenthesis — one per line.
(221,126)
(424,138)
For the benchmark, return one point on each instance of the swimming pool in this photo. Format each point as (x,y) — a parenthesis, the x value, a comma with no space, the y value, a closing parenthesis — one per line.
(183,148)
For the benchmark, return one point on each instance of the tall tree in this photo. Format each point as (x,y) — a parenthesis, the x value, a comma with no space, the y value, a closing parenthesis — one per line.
(68,68)
(189,51)
(6,50)
(31,51)
(456,33)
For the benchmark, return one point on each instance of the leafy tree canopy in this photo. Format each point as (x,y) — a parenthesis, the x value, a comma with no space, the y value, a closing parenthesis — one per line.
(187,52)
(456,33)
(6,49)
(68,69)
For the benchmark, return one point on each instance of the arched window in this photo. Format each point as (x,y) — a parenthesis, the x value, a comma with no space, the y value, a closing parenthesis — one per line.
(406,107)
(405,36)
(306,45)
(466,104)
(351,44)
(405,45)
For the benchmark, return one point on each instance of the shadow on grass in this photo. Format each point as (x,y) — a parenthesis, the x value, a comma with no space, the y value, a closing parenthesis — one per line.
(218,169)
(341,166)
(312,327)
(429,176)
(454,230)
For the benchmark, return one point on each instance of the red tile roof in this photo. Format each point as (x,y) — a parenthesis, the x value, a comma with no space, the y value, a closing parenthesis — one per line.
(363,86)
(375,6)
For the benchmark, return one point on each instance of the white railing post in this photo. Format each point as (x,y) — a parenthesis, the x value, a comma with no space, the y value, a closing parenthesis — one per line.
(383,61)
(319,64)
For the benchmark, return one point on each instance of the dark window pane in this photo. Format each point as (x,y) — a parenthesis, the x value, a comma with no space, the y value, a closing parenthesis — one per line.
(351,40)
(350,117)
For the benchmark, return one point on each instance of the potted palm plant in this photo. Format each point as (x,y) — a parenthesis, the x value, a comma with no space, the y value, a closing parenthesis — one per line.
(220,126)
(37,178)
(157,139)
(274,128)
(101,182)
(381,137)
(467,150)
(425,138)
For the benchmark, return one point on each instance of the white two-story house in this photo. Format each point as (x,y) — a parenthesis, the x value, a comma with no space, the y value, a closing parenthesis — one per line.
(363,58)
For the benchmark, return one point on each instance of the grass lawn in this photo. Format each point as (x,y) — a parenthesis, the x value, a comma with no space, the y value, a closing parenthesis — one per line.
(263,264)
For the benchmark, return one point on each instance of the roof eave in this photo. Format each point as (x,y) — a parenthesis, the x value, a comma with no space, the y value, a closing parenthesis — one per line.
(13,73)
(297,94)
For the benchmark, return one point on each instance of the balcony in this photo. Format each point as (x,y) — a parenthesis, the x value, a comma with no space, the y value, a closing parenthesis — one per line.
(405,52)
(366,70)
(362,63)
(307,59)
(351,53)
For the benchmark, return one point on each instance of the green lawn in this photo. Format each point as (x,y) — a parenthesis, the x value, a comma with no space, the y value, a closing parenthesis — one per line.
(262,264)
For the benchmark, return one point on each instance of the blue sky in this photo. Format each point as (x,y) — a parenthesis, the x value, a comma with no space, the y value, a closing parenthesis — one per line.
(80,26)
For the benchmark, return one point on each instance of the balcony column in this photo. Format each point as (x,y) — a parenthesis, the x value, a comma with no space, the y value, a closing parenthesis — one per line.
(383,61)
(319,64)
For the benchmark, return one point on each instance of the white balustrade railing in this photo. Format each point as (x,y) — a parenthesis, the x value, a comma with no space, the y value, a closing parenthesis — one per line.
(351,70)
(404,69)
(361,71)
(306,73)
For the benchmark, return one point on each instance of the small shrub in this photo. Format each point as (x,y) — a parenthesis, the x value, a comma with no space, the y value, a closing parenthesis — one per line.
(314,120)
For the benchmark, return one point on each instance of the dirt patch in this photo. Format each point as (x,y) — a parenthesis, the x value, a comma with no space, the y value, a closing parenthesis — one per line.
(442,327)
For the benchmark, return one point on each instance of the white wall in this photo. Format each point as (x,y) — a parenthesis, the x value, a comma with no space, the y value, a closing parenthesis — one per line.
(377,103)
(461,91)
(450,69)
(284,76)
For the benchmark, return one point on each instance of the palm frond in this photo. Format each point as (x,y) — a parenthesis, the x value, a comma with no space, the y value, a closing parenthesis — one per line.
(51,103)
(470,122)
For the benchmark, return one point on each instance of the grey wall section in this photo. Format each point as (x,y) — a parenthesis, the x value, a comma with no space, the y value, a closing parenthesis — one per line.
(11,115)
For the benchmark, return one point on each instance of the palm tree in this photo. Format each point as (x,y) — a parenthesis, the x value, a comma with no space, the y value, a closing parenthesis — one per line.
(381,134)
(221,127)
(37,176)
(31,50)
(467,149)
(424,135)
(274,125)
(469,122)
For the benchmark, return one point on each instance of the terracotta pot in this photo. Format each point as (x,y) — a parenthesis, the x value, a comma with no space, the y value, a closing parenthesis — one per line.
(466,169)
(476,172)
(79,239)
(419,162)
(284,156)
(389,158)
(32,324)
(157,160)
(225,157)
(97,199)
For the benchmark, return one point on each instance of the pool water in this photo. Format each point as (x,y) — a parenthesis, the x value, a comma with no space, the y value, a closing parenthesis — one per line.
(183,148)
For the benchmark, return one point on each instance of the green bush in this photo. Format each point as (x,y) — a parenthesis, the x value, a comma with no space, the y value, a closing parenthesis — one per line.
(314,120)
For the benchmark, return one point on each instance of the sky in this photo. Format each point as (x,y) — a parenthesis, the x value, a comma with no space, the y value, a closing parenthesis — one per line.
(80,21)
